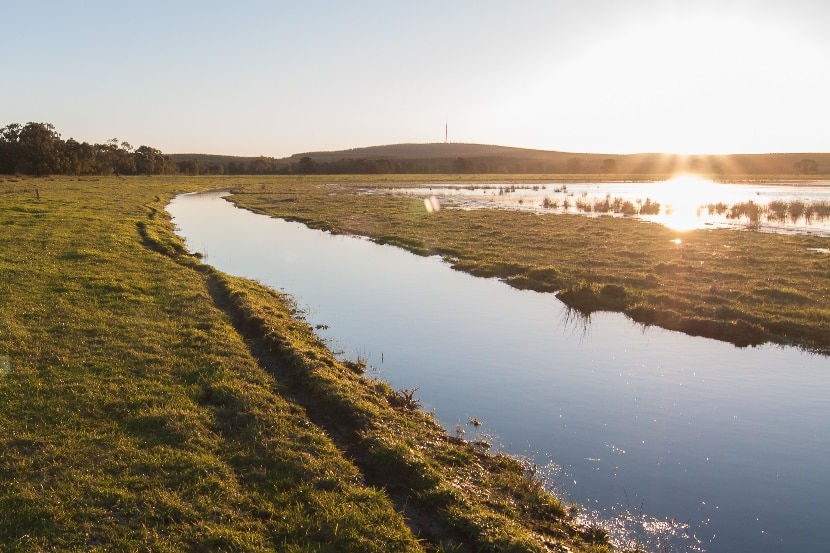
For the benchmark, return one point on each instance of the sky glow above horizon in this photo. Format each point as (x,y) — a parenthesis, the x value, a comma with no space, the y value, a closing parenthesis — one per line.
(277,78)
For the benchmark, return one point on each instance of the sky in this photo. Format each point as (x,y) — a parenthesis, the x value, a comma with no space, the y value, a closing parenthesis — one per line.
(278,78)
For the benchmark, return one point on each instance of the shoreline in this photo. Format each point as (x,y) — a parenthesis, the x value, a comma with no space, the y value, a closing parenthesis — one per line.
(712,283)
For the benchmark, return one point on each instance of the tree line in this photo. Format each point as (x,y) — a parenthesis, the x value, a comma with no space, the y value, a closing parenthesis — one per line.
(37,149)
(483,164)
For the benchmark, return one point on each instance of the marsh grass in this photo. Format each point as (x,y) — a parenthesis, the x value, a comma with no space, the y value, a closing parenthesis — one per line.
(153,404)
(667,276)
(778,211)
(820,210)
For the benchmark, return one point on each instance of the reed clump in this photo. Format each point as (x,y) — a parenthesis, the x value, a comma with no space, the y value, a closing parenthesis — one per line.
(778,211)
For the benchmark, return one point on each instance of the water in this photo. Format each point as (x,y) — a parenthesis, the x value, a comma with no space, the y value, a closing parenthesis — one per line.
(677,441)
(685,202)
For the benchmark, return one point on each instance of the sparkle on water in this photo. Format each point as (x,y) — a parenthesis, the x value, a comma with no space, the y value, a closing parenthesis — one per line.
(683,203)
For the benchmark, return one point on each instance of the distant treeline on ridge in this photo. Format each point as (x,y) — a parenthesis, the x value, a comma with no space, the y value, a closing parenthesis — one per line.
(37,149)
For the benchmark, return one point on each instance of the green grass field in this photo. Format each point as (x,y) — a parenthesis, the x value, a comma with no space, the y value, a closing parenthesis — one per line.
(151,403)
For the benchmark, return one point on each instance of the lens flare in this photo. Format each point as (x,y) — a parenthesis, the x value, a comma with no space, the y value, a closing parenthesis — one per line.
(432,204)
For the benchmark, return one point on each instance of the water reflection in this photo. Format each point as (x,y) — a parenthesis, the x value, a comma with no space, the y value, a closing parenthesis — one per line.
(685,202)
(681,442)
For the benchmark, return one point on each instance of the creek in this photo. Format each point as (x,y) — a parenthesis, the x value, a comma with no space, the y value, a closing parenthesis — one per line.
(670,441)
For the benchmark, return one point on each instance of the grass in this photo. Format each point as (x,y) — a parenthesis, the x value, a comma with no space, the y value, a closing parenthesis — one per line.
(713,283)
(151,403)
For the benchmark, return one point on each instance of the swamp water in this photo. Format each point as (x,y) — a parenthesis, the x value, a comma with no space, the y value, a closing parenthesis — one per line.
(670,441)
(683,203)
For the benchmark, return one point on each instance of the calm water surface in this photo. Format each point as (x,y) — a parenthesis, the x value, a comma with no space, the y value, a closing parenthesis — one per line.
(680,442)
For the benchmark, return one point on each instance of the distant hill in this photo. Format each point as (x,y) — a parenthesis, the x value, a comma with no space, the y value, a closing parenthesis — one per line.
(444,150)
(214,159)
(483,158)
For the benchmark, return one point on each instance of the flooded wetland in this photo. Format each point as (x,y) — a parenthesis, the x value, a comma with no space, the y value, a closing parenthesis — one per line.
(669,440)
(788,206)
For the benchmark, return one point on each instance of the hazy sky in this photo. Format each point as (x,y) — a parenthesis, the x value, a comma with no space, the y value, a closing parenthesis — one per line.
(276,78)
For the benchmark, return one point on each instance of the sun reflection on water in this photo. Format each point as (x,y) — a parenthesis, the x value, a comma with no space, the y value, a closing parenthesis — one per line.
(682,203)
(680,198)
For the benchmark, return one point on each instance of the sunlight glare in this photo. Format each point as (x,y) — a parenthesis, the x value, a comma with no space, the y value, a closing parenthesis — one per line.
(680,199)
(690,81)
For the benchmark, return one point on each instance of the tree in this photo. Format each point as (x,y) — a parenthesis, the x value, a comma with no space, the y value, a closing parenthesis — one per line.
(806,167)
(261,166)
(574,165)
(149,161)
(236,168)
(123,158)
(77,158)
(306,166)
(34,148)
(9,148)
(106,157)
(188,166)
(462,165)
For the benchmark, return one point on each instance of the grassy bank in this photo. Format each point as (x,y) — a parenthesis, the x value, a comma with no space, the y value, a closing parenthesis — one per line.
(747,288)
(153,404)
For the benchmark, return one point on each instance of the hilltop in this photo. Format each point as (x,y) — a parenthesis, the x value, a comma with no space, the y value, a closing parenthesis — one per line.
(483,158)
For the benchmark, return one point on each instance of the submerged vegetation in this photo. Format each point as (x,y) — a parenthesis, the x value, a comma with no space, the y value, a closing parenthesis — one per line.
(153,403)
(607,205)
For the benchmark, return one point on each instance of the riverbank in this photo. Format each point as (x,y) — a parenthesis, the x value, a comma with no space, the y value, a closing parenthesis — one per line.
(152,403)
(747,288)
